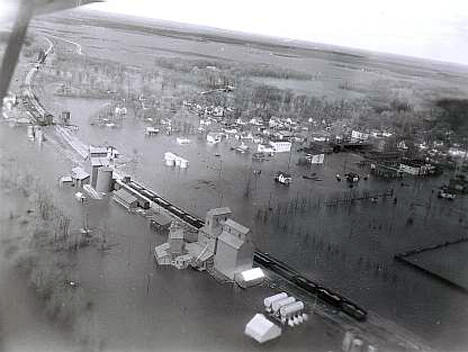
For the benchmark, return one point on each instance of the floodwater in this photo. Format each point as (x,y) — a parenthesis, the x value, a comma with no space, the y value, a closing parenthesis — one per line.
(349,248)
(136,305)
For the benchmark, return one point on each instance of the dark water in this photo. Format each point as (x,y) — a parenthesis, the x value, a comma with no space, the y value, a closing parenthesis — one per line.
(136,305)
(363,237)
(349,248)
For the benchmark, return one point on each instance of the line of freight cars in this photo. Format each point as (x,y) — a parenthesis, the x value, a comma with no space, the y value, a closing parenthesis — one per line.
(305,284)
(197,223)
(267,261)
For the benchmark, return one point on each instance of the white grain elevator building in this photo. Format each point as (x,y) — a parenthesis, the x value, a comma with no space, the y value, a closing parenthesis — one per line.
(234,249)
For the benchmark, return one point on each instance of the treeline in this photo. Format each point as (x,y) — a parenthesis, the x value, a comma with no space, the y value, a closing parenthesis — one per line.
(231,71)
(451,114)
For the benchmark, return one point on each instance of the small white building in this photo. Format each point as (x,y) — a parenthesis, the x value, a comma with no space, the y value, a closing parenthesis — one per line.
(172,159)
(265,148)
(151,131)
(183,140)
(214,137)
(283,178)
(281,146)
(357,136)
(261,329)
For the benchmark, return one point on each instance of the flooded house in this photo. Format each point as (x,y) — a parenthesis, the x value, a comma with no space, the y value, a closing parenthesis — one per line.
(283,178)
(281,146)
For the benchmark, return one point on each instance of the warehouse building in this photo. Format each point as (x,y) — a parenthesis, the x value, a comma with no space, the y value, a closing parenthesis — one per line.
(125,199)
(79,176)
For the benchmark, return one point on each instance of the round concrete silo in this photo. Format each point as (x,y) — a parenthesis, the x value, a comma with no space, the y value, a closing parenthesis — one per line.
(104,180)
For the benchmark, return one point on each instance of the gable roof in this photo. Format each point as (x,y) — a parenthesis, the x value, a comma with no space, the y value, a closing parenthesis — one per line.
(236,226)
(231,240)
(219,211)
(79,174)
(124,195)
(99,161)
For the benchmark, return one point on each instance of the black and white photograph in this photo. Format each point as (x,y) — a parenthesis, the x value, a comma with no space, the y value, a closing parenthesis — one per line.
(233,176)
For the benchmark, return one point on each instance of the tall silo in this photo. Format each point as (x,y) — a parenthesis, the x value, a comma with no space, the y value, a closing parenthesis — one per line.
(104,180)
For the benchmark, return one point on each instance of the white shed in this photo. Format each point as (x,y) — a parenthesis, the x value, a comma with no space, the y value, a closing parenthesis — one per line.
(261,329)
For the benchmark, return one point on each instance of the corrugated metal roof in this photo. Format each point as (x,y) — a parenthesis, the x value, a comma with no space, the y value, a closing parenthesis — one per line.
(161,219)
(99,161)
(79,174)
(231,240)
(219,211)
(97,150)
(195,248)
(125,196)
(236,226)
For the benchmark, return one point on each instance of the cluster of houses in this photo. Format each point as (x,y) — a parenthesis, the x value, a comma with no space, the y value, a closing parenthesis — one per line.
(275,136)
(211,112)
(221,243)
(317,137)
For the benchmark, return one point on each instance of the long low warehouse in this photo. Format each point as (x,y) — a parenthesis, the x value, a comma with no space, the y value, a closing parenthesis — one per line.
(125,199)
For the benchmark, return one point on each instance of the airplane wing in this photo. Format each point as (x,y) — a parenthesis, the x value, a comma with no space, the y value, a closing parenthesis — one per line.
(25,10)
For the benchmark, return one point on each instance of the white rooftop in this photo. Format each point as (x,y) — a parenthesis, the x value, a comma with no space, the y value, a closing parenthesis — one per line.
(261,329)
(79,174)
(236,226)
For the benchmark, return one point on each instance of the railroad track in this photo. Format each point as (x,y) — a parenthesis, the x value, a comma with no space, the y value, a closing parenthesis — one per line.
(264,259)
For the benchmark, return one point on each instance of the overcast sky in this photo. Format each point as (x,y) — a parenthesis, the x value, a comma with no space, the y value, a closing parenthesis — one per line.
(429,29)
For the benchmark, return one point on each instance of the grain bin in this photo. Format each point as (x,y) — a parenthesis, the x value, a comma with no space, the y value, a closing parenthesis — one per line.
(104,180)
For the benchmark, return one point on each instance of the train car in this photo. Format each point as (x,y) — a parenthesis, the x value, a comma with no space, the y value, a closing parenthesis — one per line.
(189,217)
(147,194)
(199,224)
(193,221)
(262,259)
(161,201)
(304,283)
(353,310)
(150,192)
(329,297)
(175,210)
(135,186)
